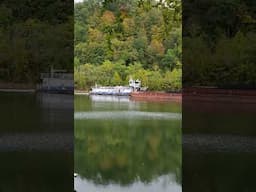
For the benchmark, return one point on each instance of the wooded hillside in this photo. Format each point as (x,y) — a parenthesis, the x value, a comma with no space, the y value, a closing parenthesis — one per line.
(119,39)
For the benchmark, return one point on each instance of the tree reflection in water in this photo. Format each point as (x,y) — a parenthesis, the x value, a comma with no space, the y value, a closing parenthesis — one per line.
(126,151)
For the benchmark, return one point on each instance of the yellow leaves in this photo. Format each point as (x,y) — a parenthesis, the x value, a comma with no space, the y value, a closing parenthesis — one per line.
(108,18)
(129,25)
(157,33)
(95,35)
(156,47)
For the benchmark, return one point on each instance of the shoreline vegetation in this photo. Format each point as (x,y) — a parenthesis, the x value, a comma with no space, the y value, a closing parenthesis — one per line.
(17,87)
(32,42)
(21,86)
(119,40)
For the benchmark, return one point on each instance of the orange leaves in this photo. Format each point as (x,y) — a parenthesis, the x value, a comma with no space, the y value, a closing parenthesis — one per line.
(108,18)
(95,35)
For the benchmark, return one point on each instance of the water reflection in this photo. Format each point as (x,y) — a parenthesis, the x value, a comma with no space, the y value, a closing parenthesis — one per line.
(117,149)
(163,183)
(109,98)
(36,113)
(101,103)
(219,144)
(36,142)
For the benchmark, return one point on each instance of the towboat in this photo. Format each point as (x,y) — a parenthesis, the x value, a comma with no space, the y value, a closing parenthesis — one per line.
(134,85)
(117,90)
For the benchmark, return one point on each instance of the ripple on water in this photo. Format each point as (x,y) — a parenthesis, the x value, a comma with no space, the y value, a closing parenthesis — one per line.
(127,115)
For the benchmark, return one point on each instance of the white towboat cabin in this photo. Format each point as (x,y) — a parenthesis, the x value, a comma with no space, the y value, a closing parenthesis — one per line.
(117,90)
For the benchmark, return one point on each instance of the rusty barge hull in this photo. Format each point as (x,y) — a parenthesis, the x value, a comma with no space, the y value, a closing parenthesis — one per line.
(156,96)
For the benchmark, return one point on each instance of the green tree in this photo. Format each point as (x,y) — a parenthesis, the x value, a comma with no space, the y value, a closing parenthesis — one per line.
(122,39)
(116,80)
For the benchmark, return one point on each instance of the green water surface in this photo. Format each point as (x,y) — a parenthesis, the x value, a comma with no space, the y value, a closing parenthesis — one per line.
(123,145)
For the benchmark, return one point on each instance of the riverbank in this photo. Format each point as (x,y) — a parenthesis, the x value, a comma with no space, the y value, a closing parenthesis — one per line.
(81,92)
(17,87)
(12,85)
(219,95)
(18,90)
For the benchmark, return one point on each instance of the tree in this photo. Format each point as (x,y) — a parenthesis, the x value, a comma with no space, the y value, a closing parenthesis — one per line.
(116,80)
(124,38)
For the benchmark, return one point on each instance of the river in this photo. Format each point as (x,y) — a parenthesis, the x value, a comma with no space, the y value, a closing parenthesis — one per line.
(123,145)
(36,142)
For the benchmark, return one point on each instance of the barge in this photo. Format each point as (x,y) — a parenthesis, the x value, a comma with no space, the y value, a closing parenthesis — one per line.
(135,92)
(156,96)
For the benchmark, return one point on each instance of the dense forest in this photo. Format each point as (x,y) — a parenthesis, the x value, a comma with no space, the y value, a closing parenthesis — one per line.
(219,43)
(34,36)
(120,39)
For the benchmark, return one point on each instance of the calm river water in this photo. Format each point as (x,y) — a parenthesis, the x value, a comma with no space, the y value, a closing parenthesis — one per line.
(36,142)
(123,145)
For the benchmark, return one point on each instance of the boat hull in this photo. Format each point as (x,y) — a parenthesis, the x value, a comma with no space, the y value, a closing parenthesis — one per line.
(156,96)
(116,91)
(114,94)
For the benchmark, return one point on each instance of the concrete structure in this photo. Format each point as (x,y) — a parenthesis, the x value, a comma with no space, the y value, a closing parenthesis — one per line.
(57,81)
